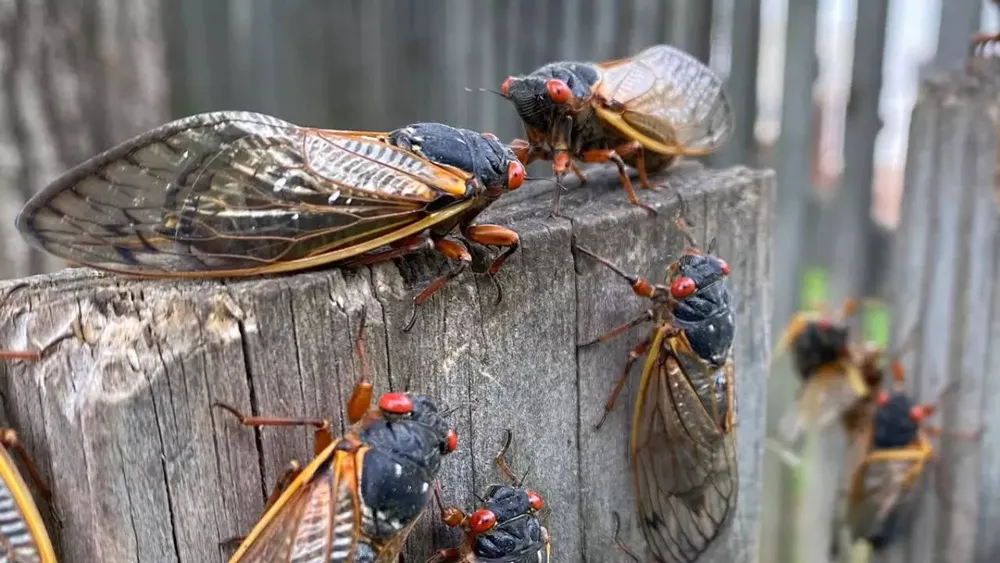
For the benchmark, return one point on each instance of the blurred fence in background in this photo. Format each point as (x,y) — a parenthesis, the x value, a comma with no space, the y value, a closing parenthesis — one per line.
(808,80)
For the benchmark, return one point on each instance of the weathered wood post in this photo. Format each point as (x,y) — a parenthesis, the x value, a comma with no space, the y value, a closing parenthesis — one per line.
(118,416)
(944,286)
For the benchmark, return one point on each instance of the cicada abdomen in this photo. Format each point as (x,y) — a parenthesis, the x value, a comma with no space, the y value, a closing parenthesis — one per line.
(505,529)
(644,111)
(683,443)
(23,536)
(360,497)
(229,194)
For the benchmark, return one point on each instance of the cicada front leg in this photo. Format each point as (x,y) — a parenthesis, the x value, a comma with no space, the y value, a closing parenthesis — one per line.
(612,155)
(497,236)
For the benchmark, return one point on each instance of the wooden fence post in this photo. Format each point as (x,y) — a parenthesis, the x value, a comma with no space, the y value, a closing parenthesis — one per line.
(944,287)
(118,416)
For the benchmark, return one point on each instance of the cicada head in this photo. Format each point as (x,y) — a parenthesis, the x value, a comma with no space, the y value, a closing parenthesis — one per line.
(701,304)
(546,95)
(820,342)
(493,163)
(897,420)
(406,443)
(506,527)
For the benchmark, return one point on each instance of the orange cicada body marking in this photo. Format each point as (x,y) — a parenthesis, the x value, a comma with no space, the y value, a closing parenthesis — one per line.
(644,111)
(23,537)
(683,443)
(359,498)
(231,194)
(505,529)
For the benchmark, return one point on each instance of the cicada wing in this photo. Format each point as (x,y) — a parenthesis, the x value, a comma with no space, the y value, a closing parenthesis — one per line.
(684,453)
(881,500)
(825,396)
(318,518)
(23,534)
(667,100)
(234,193)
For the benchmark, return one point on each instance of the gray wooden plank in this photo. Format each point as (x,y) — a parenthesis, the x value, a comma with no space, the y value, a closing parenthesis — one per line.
(118,416)
(944,274)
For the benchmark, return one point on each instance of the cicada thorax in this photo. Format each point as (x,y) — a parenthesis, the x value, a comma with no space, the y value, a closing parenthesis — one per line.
(884,483)
(23,536)
(821,343)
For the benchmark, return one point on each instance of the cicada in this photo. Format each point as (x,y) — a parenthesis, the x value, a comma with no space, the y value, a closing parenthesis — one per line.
(683,442)
(505,530)
(894,452)
(645,111)
(360,497)
(23,537)
(231,194)
(837,376)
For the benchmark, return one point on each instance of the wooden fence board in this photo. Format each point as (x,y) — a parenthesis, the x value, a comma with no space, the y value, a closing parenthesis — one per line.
(118,412)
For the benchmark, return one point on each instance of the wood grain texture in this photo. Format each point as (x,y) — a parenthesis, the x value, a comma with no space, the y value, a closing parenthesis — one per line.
(76,77)
(944,289)
(117,413)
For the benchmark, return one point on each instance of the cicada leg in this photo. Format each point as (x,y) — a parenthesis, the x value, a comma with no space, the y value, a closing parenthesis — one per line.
(361,395)
(606,155)
(499,459)
(633,355)
(494,235)
(640,286)
(621,543)
(9,440)
(398,249)
(31,355)
(323,435)
(450,249)
(451,515)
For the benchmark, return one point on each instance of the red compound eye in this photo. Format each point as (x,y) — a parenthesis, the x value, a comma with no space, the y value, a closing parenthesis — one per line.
(535,501)
(395,403)
(882,399)
(482,521)
(682,287)
(452,442)
(515,175)
(724,266)
(505,87)
(918,413)
(558,91)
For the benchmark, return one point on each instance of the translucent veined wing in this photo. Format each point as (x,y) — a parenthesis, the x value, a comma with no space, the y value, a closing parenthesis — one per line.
(683,450)
(881,493)
(238,193)
(24,537)
(317,518)
(667,100)
(829,393)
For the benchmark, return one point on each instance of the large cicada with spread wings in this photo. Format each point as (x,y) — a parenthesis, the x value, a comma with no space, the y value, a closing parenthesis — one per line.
(645,111)
(505,529)
(359,498)
(23,537)
(683,442)
(235,194)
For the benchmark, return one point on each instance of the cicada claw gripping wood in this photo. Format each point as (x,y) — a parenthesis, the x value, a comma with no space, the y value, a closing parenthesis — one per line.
(644,111)
(232,194)
(683,442)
